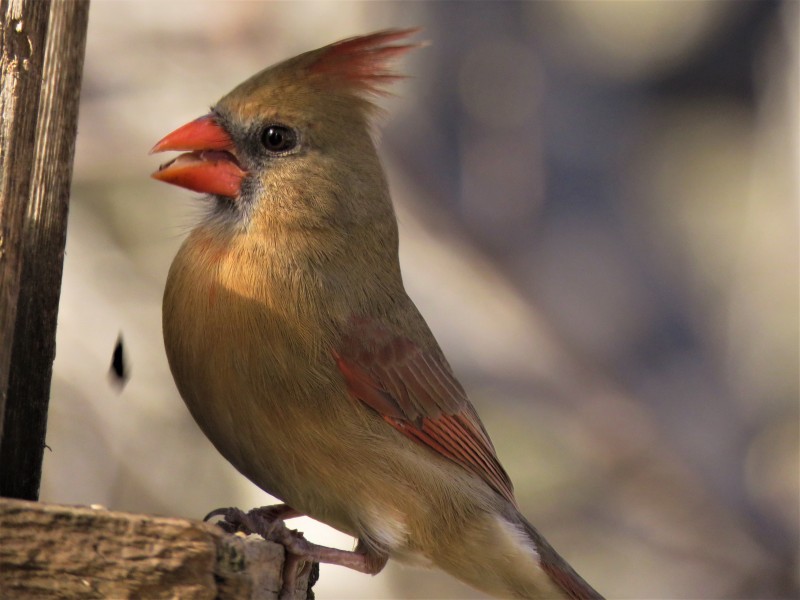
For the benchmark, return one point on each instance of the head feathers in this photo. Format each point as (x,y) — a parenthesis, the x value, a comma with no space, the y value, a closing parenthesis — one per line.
(333,79)
(361,63)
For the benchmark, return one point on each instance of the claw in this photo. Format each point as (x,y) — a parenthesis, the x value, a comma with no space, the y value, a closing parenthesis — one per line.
(217,512)
(235,520)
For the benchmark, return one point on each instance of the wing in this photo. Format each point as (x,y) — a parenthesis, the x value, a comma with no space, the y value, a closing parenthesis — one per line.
(415,392)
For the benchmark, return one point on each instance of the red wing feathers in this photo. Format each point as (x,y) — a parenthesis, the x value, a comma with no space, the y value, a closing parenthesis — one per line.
(415,392)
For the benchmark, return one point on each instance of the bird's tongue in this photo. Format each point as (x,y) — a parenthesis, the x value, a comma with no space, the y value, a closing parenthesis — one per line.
(210,167)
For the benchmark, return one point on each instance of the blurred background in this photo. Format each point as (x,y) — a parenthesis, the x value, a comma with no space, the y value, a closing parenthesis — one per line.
(598,205)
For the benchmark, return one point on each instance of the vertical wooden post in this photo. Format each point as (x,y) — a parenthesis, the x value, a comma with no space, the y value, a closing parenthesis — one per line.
(41,62)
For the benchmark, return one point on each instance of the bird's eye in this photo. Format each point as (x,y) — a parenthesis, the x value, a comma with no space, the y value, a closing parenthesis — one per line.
(277,138)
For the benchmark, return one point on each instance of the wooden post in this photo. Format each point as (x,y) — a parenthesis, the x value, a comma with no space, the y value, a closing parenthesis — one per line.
(42,46)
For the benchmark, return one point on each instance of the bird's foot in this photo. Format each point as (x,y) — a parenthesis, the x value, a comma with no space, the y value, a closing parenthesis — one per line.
(268,523)
(257,520)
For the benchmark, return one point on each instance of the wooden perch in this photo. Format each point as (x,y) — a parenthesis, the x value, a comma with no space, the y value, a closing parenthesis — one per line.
(67,552)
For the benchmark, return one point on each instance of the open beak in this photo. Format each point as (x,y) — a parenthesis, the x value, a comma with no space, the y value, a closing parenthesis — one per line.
(209,167)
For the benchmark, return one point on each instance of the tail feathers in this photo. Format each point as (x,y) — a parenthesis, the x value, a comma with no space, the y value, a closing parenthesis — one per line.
(562,574)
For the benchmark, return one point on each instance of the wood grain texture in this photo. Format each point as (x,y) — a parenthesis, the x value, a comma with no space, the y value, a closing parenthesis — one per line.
(42,63)
(51,551)
(22,34)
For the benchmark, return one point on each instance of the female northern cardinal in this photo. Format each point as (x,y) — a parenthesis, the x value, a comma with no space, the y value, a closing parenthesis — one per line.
(298,352)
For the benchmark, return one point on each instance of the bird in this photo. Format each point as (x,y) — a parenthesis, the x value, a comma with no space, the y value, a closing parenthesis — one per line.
(296,349)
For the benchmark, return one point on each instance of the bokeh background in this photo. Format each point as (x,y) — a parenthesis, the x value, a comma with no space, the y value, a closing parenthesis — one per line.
(598,205)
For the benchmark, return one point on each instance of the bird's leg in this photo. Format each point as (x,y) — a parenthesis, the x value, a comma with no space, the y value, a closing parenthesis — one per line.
(300,550)
(361,559)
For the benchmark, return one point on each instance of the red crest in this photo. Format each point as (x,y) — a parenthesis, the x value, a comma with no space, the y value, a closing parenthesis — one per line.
(362,63)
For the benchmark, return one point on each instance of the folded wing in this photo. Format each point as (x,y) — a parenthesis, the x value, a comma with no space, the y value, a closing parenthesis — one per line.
(415,391)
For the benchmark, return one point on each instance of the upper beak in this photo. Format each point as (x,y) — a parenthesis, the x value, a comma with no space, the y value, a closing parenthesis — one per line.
(210,166)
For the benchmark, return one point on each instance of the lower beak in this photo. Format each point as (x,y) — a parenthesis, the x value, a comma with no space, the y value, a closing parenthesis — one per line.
(210,167)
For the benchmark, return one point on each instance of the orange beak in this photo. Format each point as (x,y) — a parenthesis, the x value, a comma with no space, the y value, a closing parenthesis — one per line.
(209,167)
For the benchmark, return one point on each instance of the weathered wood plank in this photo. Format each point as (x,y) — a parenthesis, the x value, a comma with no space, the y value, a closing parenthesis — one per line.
(50,551)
